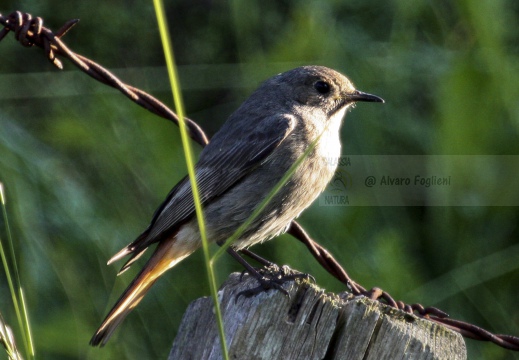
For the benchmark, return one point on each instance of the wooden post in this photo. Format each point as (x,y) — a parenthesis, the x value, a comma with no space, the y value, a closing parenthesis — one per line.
(311,324)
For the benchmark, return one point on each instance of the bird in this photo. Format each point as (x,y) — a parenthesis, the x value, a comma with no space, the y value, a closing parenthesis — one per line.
(293,115)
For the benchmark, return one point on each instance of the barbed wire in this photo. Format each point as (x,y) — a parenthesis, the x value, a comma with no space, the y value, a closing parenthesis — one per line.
(30,31)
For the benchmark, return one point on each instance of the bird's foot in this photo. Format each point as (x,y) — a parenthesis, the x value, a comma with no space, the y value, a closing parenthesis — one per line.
(273,277)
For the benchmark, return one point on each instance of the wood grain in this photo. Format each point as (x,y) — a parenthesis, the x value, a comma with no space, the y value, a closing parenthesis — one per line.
(311,324)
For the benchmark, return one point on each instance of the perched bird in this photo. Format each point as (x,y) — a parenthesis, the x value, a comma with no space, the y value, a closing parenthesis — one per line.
(249,155)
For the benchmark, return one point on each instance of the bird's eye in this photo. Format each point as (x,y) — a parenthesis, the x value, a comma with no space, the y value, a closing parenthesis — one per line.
(322,87)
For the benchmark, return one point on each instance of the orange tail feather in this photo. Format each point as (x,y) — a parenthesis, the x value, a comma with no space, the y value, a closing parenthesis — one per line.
(165,257)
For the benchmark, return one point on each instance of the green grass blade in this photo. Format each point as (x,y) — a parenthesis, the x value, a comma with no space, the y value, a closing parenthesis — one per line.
(168,52)
(14,283)
(27,323)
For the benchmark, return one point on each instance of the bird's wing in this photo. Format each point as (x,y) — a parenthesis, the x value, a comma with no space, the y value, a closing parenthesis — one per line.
(216,172)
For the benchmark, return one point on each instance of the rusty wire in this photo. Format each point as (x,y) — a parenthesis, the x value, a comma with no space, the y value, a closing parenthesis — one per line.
(30,31)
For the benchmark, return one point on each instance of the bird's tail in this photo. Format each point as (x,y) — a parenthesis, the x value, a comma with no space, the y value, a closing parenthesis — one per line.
(165,257)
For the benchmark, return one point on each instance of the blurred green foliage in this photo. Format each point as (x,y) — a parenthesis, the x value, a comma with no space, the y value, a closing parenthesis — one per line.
(84,168)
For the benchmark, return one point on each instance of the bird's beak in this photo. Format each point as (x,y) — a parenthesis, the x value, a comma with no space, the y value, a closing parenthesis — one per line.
(362,96)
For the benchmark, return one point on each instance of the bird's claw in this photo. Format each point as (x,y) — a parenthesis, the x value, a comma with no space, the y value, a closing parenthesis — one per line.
(273,277)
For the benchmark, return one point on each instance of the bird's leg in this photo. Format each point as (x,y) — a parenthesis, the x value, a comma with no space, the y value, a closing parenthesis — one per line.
(271,277)
(256,257)
(266,263)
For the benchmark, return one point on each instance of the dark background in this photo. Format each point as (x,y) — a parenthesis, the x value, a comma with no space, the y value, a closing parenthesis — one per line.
(84,168)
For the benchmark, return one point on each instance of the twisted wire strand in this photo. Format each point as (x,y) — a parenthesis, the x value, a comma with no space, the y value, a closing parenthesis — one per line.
(30,31)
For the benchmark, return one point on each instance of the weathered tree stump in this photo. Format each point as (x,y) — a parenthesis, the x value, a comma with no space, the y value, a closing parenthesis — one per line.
(309,325)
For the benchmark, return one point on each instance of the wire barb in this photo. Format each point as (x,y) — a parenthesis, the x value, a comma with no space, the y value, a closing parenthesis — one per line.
(30,31)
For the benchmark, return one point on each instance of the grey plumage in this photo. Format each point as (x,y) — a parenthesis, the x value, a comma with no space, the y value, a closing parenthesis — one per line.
(240,166)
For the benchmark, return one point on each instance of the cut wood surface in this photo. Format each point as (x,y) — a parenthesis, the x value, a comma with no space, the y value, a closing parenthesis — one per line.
(311,324)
